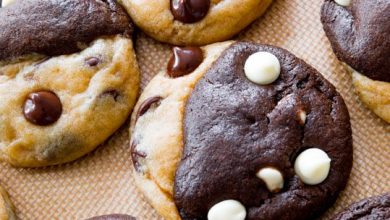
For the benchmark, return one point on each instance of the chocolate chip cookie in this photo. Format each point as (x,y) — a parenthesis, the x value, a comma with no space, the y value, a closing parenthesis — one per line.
(358,32)
(373,208)
(194,22)
(68,78)
(6,206)
(240,131)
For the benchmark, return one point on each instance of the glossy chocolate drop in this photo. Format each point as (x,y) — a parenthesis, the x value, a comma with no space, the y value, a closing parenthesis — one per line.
(189,11)
(42,108)
(184,61)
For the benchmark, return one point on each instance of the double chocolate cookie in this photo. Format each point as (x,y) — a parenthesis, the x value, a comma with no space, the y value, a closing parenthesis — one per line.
(194,22)
(373,208)
(240,131)
(68,78)
(358,31)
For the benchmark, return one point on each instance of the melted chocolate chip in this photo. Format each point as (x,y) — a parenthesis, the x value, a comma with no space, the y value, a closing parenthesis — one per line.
(92,61)
(145,106)
(189,11)
(42,108)
(135,156)
(184,61)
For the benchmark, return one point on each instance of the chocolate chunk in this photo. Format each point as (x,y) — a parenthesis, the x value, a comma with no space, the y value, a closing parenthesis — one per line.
(184,60)
(373,208)
(135,156)
(359,35)
(113,217)
(57,27)
(233,128)
(145,106)
(113,93)
(189,11)
(92,61)
(42,108)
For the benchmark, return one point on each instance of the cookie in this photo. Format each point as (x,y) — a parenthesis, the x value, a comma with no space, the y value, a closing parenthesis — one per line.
(6,206)
(194,22)
(358,32)
(373,208)
(113,217)
(251,131)
(66,84)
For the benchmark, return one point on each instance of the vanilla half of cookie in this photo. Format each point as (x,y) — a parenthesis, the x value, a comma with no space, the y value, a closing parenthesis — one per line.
(66,84)
(214,140)
(6,207)
(197,22)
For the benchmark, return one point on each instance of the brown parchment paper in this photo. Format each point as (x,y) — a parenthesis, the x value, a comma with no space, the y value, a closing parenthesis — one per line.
(101,182)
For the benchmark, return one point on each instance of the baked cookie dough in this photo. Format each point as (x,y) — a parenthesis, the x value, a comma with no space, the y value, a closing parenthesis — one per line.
(194,22)
(250,132)
(373,208)
(113,217)
(358,32)
(66,84)
(6,207)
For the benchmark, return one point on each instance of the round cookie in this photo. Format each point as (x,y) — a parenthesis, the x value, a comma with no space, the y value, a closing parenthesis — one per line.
(373,208)
(6,206)
(66,84)
(358,32)
(194,22)
(210,143)
(113,217)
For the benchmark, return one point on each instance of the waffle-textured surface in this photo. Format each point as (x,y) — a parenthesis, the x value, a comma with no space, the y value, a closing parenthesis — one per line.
(101,183)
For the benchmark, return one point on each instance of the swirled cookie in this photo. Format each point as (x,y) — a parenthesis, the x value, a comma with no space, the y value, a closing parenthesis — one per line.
(68,78)
(194,22)
(358,32)
(373,208)
(236,131)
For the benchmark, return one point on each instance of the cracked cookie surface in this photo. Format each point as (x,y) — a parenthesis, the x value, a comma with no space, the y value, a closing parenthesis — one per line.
(68,89)
(377,207)
(216,129)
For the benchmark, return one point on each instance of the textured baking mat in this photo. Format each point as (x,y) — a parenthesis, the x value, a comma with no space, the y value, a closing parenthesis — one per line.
(101,182)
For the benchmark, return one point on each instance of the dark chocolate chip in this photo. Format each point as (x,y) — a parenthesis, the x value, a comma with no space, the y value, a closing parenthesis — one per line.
(113,217)
(189,11)
(145,106)
(184,60)
(92,61)
(42,108)
(135,156)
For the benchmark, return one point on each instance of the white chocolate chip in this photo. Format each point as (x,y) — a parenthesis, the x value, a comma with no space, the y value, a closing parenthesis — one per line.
(272,178)
(302,117)
(262,68)
(6,2)
(343,2)
(227,210)
(312,166)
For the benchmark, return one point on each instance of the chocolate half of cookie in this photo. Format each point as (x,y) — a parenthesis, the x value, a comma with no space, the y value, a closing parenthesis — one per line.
(359,34)
(57,27)
(265,137)
(373,208)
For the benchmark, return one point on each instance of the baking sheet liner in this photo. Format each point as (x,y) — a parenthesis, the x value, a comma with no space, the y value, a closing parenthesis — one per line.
(102,183)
